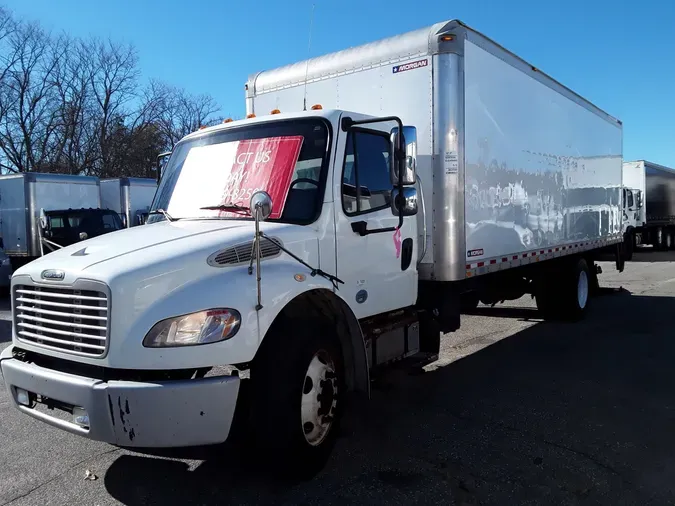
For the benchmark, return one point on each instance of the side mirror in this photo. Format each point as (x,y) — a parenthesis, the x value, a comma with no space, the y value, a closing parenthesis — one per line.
(404,202)
(261,205)
(407,164)
(44,221)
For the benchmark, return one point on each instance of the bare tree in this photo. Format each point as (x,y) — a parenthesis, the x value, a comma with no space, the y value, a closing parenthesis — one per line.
(74,106)
(114,76)
(182,113)
(29,121)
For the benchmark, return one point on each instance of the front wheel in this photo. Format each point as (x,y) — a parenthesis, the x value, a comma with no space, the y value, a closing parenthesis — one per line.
(297,386)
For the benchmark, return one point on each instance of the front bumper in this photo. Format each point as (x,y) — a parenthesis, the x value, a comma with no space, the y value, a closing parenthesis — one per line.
(126,413)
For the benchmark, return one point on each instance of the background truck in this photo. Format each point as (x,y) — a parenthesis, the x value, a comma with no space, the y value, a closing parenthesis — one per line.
(648,205)
(40,212)
(130,197)
(307,248)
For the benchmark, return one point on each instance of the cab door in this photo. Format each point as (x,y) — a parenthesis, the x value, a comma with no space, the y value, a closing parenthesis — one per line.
(379,269)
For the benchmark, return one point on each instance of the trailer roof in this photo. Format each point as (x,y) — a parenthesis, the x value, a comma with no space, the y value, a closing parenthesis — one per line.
(53,178)
(391,50)
(653,165)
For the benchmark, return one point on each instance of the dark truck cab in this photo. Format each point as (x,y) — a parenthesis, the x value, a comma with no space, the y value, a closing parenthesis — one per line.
(68,226)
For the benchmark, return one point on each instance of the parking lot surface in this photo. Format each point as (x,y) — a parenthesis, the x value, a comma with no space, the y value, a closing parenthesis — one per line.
(516,412)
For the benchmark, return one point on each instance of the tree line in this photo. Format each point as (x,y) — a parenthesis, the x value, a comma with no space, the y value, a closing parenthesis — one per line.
(76,106)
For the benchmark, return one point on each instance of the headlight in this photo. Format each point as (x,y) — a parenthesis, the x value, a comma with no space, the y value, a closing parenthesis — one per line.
(203,327)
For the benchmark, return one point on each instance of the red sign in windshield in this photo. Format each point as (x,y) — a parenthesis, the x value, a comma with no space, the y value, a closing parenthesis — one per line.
(262,164)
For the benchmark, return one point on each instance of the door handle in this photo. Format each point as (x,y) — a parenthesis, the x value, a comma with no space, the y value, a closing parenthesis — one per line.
(361,228)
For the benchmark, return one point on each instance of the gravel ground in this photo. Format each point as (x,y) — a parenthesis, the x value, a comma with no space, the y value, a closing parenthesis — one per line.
(555,414)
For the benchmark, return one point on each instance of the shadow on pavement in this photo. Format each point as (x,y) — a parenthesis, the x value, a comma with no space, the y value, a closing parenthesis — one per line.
(648,254)
(5,331)
(556,414)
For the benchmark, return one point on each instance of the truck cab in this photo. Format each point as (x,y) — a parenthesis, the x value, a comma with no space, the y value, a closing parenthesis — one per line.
(273,245)
(632,210)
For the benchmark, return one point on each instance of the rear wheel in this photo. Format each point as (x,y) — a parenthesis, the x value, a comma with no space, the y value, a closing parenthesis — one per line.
(566,294)
(297,387)
(469,302)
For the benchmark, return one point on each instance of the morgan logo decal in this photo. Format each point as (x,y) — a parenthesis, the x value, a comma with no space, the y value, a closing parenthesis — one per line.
(410,66)
(53,274)
(475,253)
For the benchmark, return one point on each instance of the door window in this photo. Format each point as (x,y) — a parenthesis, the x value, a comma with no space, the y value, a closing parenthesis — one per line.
(366,186)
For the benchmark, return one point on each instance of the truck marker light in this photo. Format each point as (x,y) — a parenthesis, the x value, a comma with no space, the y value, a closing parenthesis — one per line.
(275,111)
(249,116)
(228,120)
(299,278)
(317,107)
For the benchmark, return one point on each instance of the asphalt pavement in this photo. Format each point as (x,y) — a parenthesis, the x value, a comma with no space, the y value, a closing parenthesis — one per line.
(517,411)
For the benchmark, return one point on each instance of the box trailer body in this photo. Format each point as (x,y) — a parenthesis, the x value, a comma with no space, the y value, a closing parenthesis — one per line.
(501,146)
(130,197)
(23,196)
(649,203)
(438,170)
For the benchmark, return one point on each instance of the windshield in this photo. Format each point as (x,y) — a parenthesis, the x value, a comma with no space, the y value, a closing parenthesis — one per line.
(287,159)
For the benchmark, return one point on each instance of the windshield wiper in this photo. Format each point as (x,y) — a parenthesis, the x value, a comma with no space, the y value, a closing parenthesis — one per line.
(233,208)
(163,213)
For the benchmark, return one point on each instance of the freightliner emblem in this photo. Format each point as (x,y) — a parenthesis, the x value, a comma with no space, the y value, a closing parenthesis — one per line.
(53,274)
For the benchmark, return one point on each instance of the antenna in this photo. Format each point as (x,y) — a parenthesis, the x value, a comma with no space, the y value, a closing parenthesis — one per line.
(309,48)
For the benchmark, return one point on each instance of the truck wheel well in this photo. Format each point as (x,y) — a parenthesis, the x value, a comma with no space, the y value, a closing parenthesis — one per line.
(324,304)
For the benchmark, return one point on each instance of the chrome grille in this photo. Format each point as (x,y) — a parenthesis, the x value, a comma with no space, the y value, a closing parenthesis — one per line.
(64,319)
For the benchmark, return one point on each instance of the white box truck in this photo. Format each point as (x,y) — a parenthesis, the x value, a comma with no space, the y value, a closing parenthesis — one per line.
(648,205)
(308,248)
(130,197)
(40,212)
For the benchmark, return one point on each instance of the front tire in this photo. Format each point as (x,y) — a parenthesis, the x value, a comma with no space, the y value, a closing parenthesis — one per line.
(297,385)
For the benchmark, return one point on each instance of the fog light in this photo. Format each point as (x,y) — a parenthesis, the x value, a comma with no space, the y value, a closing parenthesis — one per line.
(22,397)
(80,417)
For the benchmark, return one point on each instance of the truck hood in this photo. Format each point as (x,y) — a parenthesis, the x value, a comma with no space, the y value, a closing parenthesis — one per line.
(164,236)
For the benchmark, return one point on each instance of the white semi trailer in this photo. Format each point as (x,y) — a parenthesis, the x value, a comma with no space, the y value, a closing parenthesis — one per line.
(649,205)
(130,197)
(311,246)
(40,212)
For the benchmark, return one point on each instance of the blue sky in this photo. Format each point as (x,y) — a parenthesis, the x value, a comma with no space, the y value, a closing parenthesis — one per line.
(618,54)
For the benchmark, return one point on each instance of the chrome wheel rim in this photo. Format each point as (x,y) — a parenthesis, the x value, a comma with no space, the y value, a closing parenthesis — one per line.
(319,398)
(582,289)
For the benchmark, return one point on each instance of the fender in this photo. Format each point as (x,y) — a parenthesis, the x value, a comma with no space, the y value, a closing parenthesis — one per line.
(330,305)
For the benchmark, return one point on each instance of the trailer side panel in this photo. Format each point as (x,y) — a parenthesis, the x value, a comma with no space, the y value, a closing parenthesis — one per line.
(660,194)
(15,232)
(541,170)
